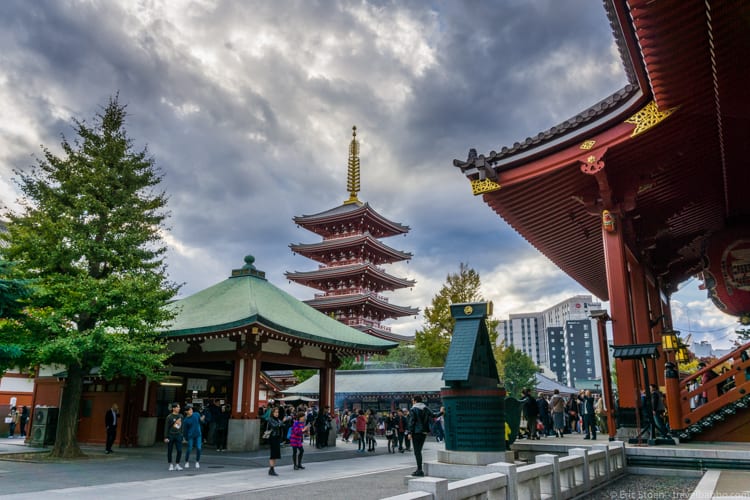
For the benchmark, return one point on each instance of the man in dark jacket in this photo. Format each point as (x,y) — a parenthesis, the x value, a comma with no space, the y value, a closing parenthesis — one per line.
(531,413)
(587,412)
(420,418)
(111,418)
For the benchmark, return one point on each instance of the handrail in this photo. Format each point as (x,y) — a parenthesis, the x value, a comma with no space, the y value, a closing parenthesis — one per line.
(734,384)
(726,357)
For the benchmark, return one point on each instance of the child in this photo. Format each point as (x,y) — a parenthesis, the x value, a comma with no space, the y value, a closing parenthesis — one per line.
(299,428)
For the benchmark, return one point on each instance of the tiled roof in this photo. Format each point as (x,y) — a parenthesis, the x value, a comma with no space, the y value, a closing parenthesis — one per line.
(247,298)
(405,380)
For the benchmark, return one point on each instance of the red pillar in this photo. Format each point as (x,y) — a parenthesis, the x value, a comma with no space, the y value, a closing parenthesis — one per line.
(609,403)
(641,311)
(619,305)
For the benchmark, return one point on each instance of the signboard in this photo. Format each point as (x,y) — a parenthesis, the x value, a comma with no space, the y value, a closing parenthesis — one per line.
(197,384)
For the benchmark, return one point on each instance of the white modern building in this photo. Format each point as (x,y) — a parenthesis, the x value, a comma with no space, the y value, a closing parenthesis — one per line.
(561,339)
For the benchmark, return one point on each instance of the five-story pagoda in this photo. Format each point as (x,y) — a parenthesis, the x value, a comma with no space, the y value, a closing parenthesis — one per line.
(350,257)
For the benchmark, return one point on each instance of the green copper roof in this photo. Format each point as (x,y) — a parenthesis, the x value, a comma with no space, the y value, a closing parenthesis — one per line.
(247,298)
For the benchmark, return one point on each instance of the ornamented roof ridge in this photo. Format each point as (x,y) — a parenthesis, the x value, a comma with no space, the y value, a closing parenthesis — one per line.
(352,173)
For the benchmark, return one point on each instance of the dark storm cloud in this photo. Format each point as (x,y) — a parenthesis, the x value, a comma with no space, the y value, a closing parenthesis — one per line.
(247,108)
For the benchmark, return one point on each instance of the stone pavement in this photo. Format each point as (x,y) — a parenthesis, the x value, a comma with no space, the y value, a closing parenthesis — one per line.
(333,473)
(141,473)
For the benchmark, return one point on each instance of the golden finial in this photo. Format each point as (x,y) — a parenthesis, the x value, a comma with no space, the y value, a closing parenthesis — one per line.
(352,176)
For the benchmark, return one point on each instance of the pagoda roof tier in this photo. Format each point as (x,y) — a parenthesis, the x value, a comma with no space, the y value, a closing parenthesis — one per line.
(350,247)
(355,275)
(384,334)
(350,218)
(367,302)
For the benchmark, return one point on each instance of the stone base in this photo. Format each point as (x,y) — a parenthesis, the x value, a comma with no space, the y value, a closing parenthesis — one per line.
(474,457)
(243,435)
(146,431)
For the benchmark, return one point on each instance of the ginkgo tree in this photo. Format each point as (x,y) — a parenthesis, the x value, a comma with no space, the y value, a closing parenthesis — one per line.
(433,340)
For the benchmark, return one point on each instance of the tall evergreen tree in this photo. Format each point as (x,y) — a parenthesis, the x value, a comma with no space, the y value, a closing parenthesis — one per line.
(13,291)
(89,234)
(434,339)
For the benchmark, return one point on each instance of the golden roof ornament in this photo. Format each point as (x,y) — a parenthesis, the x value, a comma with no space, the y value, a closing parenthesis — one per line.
(352,175)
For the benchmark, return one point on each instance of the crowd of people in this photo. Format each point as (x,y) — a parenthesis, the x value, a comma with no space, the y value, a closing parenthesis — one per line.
(194,429)
(557,415)
(405,430)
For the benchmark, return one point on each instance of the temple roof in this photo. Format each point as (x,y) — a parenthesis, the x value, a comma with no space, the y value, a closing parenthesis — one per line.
(248,299)
(357,274)
(366,300)
(384,333)
(402,380)
(321,251)
(349,218)
(667,154)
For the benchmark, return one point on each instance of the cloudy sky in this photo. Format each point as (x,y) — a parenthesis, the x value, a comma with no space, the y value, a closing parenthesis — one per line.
(247,109)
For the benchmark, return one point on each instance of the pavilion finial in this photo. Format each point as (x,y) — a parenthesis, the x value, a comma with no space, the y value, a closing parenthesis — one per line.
(352,175)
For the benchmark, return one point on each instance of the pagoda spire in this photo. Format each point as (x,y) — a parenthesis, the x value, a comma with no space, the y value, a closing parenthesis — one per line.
(352,175)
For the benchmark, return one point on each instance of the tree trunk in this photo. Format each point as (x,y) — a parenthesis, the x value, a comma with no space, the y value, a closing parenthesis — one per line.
(66,442)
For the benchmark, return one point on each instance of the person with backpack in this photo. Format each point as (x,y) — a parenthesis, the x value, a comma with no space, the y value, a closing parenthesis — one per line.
(420,417)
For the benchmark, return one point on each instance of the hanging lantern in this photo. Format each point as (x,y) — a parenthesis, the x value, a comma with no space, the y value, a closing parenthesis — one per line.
(727,271)
(608,221)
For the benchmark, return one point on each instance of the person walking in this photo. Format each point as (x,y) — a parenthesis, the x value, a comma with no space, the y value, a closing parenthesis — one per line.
(587,412)
(659,409)
(111,418)
(571,407)
(372,426)
(23,421)
(438,426)
(420,417)
(345,428)
(13,415)
(191,429)
(173,436)
(297,439)
(276,426)
(530,413)
(600,413)
(557,403)
(323,427)
(401,429)
(361,423)
(407,436)
(222,424)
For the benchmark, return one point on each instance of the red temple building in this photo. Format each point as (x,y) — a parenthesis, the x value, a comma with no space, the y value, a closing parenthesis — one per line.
(644,190)
(350,275)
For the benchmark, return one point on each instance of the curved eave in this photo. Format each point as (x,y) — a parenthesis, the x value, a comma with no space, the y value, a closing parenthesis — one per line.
(359,300)
(347,212)
(264,324)
(246,301)
(354,272)
(386,335)
(317,250)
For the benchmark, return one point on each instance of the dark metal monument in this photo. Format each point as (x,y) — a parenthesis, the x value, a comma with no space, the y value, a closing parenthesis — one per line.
(473,399)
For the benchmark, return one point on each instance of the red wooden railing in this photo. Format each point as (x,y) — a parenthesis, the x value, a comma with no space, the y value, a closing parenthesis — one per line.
(721,391)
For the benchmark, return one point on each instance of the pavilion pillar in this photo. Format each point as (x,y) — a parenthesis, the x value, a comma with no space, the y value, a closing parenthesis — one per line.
(618,286)
(641,312)
(245,391)
(327,386)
